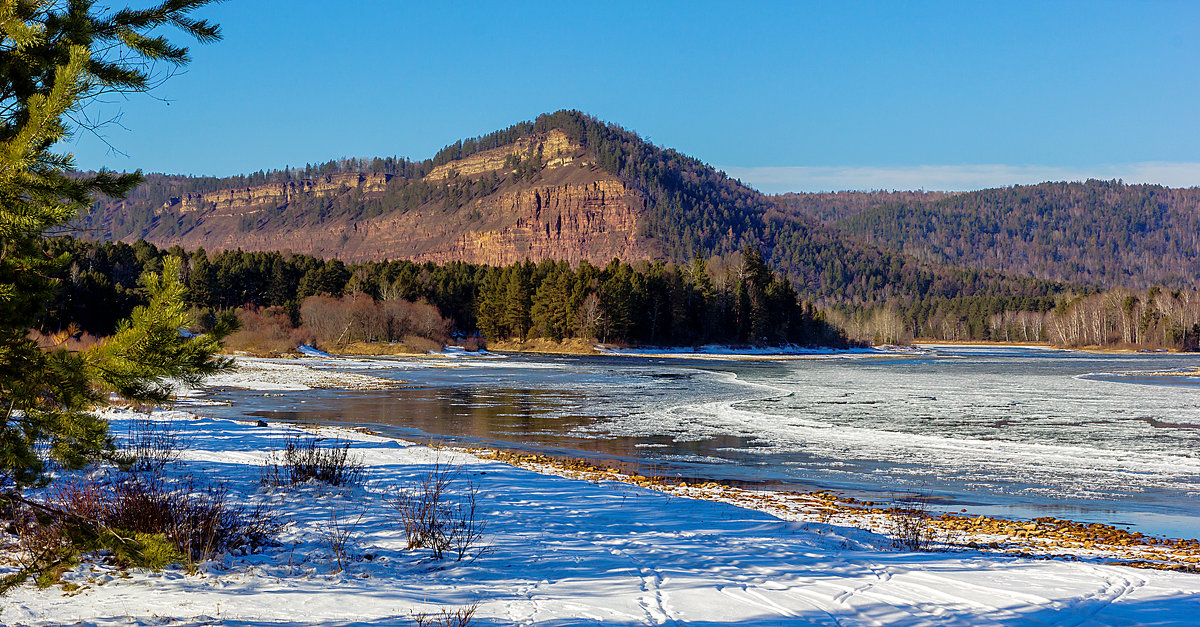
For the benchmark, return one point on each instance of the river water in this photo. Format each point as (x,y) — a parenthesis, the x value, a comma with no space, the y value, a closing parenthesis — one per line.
(999,431)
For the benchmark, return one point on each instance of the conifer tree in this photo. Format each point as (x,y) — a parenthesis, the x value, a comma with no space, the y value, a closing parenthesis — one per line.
(55,58)
(493,291)
(518,301)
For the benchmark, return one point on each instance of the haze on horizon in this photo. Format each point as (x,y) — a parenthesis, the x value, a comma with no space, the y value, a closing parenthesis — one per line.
(786,97)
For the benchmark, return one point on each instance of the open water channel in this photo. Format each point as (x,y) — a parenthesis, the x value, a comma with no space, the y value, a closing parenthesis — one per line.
(1000,431)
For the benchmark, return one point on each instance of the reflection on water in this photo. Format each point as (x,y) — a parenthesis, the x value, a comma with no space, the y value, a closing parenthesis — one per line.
(996,431)
(515,419)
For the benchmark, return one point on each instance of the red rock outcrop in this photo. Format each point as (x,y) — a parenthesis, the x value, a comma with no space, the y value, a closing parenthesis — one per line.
(573,211)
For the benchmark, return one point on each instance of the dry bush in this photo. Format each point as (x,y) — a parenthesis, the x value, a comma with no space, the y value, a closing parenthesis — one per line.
(415,318)
(48,543)
(151,444)
(304,459)
(911,525)
(200,521)
(447,617)
(431,522)
(140,519)
(466,529)
(266,331)
(364,320)
(359,318)
(419,344)
(336,536)
(471,343)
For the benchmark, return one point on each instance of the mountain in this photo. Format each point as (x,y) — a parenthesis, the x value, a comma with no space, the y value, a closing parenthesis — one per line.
(1101,233)
(564,186)
(470,209)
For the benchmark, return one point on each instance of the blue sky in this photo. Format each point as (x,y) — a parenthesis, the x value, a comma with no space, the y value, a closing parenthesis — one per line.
(786,96)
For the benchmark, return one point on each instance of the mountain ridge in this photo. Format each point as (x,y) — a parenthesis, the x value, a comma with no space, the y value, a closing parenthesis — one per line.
(1102,233)
(563,186)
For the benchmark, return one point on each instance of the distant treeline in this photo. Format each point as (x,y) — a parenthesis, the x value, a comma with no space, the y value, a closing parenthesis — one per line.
(736,300)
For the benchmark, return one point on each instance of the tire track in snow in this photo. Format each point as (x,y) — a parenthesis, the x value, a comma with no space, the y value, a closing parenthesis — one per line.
(1117,585)
(892,591)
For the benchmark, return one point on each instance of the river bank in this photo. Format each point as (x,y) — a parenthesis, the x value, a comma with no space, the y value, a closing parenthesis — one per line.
(568,551)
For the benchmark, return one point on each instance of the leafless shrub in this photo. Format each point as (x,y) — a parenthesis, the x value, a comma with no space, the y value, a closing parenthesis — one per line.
(447,617)
(431,522)
(466,530)
(336,536)
(151,444)
(418,344)
(304,459)
(420,507)
(325,318)
(358,317)
(419,318)
(910,524)
(471,343)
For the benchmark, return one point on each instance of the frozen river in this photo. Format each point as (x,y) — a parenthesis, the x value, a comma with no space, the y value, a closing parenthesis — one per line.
(1020,432)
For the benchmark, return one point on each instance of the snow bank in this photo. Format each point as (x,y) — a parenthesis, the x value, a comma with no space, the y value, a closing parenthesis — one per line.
(309,351)
(571,552)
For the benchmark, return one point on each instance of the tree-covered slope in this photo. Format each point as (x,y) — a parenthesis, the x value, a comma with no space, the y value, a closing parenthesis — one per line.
(830,207)
(1103,233)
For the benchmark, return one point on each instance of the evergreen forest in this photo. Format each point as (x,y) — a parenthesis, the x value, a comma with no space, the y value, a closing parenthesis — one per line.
(736,299)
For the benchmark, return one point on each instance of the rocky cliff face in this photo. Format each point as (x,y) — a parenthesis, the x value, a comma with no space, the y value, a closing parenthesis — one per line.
(554,146)
(571,211)
(594,221)
(235,201)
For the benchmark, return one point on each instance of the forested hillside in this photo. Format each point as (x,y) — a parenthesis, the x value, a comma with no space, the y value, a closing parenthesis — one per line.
(1101,233)
(831,207)
(565,186)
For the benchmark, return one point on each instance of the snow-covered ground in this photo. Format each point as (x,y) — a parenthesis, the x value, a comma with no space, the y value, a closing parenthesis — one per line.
(574,552)
(251,373)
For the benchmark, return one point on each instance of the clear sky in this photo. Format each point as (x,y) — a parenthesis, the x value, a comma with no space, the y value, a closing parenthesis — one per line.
(787,96)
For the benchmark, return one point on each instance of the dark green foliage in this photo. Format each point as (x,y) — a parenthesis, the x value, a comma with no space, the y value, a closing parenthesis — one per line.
(736,299)
(55,57)
(651,303)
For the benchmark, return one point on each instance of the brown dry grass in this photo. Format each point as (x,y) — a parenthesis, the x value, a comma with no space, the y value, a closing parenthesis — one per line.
(573,346)
(410,345)
(71,339)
